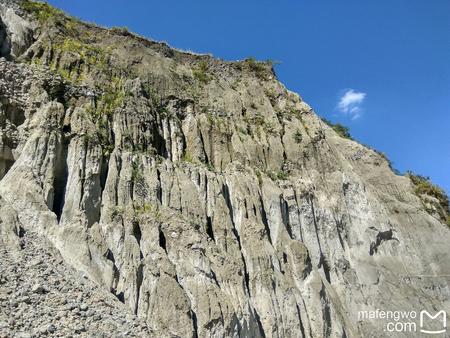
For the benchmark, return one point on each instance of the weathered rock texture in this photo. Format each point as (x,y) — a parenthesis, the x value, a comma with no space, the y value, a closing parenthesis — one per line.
(207,197)
(41,296)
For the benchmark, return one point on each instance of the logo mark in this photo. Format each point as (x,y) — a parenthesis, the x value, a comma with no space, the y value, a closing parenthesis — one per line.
(444,321)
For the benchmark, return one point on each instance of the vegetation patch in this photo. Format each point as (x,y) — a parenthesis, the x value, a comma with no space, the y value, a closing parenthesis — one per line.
(121,30)
(277,175)
(201,73)
(341,130)
(258,120)
(43,11)
(210,167)
(259,176)
(292,112)
(83,59)
(260,68)
(136,174)
(103,136)
(147,209)
(298,136)
(100,137)
(187,157)
(423,187)
(113,97)
(272,95)
(100,113)
(88,55)
(305,126)
(117,211)
(47,15)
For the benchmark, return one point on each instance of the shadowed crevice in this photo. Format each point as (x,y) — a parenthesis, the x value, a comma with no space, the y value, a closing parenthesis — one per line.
(60,181)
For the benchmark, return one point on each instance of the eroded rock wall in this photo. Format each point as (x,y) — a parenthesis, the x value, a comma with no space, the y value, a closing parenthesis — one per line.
(208,198)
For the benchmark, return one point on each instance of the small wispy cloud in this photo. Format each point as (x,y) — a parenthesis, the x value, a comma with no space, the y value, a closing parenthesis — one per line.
(351,103)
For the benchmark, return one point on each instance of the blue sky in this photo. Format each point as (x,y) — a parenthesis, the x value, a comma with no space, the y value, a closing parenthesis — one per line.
(380,67)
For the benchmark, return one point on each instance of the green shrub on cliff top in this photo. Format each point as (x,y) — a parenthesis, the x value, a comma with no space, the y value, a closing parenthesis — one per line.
(43,11)
(261,69)
(341,130)
(423,186)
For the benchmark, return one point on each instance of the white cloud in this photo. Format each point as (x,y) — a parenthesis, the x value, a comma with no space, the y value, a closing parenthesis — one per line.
(351,103)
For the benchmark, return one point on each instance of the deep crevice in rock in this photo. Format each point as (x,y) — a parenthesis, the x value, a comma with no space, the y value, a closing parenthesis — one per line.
(116,275)
(158,141)
(194,323)
(97,214)
(120,296)
(325,266)
(5,165)
(259,323)
(205,154)
(310,199)
(246,278)
(137,231)
(209,228)
(214,278)
(60,181)
(246,209)
(326,312)
(340,228)
(67,129)
(159,189)
(227,197)
(5,45)
(11,117)
(302,328)
(308,268)
(285,216)
(139,280)
(11,112)
(300,232)
(56,91)
(264,219)
(109,256)
(21,232)
(104,173)
(162,240)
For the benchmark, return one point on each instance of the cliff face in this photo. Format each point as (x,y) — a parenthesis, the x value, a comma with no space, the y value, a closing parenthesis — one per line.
(207,197)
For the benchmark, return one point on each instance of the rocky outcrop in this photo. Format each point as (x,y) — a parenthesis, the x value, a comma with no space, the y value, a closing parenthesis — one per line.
(204,195)
(16,33)
(41,296)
